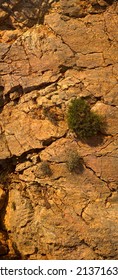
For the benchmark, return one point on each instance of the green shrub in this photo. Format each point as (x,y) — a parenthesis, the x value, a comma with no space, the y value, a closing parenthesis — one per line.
(45,168)
(82,120)
(74,162)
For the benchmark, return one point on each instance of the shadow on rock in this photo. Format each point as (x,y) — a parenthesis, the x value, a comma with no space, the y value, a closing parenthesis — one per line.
(95,140)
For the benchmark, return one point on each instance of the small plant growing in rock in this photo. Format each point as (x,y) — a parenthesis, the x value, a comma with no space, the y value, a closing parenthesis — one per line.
(74,162)
(45,168)
(82,120)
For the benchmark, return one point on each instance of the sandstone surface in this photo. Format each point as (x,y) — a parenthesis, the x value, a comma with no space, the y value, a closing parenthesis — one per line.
(50,52)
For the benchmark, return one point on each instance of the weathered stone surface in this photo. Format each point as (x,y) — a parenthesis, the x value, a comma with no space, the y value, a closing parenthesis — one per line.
(50,52)
(78,8)
(22,133)
(15,14)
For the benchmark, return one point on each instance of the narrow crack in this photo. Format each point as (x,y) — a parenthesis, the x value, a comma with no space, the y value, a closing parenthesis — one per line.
(60,37)
(93,171)
(109,196)
(82,212)
(105,181)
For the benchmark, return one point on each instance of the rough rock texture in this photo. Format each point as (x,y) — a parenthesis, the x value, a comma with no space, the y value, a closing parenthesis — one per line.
(50,52)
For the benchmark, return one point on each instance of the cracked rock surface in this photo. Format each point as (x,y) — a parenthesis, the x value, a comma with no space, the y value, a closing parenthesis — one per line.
(51,52)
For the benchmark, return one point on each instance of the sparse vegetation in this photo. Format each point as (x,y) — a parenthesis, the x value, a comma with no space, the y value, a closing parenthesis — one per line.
(82,120)
(45,168)
(74,162)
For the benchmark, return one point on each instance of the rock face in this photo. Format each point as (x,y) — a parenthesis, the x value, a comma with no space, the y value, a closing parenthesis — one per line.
(50,52)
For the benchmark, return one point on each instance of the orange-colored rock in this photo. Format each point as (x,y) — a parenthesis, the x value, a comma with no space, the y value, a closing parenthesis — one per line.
(50,52)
